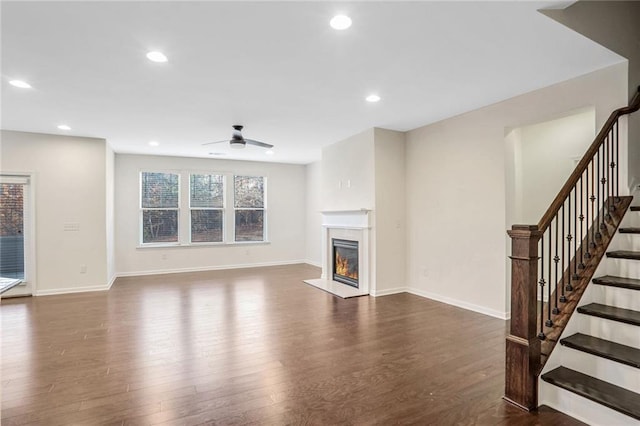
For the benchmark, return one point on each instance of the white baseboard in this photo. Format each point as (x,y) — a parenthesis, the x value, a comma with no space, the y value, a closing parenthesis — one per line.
(208,268)
(313,263)
(459,303)
(389,291)
(69,290)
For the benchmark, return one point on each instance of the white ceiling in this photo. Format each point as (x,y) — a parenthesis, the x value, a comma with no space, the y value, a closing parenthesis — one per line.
(275,67)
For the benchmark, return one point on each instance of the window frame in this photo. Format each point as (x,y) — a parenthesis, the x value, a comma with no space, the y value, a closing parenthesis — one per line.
(142,209)
(263,209)
(222,209)
(184,209)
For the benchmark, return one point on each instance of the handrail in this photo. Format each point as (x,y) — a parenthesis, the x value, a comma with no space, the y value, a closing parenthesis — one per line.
(553,209)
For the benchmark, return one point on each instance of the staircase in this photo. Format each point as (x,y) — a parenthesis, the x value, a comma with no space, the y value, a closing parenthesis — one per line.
(594,375)
(575,280)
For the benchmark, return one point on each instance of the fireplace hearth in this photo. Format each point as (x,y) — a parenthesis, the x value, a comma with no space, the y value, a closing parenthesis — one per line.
(345,261)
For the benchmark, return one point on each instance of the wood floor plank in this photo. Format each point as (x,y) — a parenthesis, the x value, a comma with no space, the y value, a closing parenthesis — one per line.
(253,346)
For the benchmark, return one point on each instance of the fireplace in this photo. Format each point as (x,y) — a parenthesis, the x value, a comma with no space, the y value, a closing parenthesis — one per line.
(345,261)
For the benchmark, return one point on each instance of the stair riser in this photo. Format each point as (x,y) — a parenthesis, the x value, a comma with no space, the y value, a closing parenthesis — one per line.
(618,332)
(618,297)
(622,267)
(629,242)
(613,372)
(581,408)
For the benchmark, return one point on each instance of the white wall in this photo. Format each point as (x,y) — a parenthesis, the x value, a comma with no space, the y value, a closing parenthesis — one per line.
(456,189)
(549,153)
(347,173)
(70,188)
(313,208)
(285,216)
(389,213)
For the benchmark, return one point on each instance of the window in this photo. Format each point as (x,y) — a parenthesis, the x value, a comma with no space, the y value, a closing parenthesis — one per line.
(249,206)
(160,194)
(206,202)
(201,207)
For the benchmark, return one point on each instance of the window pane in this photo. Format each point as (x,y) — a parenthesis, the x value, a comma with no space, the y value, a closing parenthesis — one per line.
(159,190)
(206,226)
(249,192)
(249,225)
(11,231)
(206,191)
(159,226)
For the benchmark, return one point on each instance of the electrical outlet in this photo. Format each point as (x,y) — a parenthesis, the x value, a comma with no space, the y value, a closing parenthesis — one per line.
(164,256)
(83,269)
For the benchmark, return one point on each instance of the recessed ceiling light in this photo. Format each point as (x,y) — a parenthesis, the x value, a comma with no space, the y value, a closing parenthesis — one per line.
(340,22)
(157,56)
(154,143)
(218,154)
(64,127)
(21,84)
(269,152)
(373,98)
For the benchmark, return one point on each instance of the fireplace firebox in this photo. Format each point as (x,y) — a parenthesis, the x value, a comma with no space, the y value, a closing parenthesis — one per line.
(345,261)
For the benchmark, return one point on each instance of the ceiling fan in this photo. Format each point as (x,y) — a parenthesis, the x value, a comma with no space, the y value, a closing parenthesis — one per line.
(238,141)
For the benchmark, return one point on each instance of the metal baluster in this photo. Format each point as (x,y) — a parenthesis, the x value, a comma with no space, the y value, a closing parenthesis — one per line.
(598,234)
(568,286)
(556,259)
(575,230)
(608,143)
(603,181)
(549,323)
(541,335)
(581,217)
(587,254)
(563,298)
(617,163)
(593,199)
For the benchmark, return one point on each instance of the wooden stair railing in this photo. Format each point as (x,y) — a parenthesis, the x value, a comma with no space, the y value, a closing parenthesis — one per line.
(553,261)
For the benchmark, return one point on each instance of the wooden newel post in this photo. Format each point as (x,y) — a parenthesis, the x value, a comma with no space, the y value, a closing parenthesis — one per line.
(523,345)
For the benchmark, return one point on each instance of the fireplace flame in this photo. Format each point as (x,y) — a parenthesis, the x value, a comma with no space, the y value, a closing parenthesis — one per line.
(343,268)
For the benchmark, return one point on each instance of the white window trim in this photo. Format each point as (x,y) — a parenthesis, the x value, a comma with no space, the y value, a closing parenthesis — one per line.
(264,210)
(184,214)
(223,209)
(141,209)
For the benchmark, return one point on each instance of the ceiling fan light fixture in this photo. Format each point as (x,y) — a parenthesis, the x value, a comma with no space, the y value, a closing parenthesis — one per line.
(236,143)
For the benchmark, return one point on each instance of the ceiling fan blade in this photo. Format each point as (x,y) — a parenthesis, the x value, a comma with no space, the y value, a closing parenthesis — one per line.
(258,143)
(212,143)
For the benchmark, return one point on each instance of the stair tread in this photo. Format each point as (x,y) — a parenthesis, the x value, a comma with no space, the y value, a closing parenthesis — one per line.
(611,312)
(624,254)
(613,281)
(629,230)
(604,348)
(604,393)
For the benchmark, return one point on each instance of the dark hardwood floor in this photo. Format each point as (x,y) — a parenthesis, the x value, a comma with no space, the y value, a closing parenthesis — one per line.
(252,346)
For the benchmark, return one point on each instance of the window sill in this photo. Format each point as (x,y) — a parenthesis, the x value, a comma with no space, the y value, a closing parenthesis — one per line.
(192,245)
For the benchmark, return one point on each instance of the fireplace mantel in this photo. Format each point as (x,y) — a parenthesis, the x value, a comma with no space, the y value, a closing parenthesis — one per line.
(346,219)
(352,225)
